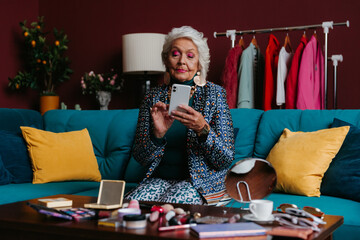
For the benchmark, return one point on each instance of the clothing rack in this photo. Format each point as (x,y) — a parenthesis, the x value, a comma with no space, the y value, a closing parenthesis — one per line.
(335,59)
(325,25)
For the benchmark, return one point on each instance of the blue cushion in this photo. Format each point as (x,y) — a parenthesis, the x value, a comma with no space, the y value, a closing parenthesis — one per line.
(342,179)
(15,156)
(5,176)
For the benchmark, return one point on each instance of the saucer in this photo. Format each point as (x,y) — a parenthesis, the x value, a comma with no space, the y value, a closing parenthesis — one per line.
(251,217)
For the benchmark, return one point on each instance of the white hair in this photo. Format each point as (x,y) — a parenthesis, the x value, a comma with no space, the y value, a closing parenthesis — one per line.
(198,39)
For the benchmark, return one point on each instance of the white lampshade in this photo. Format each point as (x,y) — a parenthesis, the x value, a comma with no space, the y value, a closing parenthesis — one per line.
(142,53)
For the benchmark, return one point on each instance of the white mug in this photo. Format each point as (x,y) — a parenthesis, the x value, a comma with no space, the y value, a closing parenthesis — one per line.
(261,209)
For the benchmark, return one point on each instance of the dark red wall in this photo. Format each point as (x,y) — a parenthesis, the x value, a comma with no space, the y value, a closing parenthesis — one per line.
(11,13)
(95,29)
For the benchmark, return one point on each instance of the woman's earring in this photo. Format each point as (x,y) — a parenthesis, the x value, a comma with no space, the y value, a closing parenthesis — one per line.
(167,78)
(199,81)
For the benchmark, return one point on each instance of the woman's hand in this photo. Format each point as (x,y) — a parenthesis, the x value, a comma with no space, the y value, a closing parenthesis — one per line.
(190,118)
(161,119)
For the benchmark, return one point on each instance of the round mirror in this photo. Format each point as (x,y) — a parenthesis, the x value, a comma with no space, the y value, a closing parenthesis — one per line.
(243,166)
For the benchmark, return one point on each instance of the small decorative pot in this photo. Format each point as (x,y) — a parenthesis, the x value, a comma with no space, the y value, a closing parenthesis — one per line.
(104,99)
(48,103)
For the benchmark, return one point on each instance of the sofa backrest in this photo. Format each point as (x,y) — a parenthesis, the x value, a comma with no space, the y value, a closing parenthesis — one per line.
(273,122)
(112,133)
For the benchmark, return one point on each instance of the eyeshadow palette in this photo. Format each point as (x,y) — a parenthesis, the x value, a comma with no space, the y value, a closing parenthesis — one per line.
(76,214)
(79,214)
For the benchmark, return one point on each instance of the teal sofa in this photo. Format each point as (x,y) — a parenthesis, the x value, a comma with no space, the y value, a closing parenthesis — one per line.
(112,134)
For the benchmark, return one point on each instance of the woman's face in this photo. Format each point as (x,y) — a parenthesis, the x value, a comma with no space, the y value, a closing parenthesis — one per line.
(183,59)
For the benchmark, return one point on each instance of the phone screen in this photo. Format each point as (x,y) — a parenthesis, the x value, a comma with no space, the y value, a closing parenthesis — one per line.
(179,95)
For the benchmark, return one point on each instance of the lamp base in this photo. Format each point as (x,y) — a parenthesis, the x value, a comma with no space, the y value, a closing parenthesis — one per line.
(146,84)
(145,88)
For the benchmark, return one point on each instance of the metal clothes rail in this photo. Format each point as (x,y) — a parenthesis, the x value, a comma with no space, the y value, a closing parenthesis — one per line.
(325,25)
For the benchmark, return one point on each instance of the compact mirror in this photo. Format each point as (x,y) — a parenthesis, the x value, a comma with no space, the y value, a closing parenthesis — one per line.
(249,179)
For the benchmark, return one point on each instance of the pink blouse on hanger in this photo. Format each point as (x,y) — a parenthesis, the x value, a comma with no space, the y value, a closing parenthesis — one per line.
(311,82)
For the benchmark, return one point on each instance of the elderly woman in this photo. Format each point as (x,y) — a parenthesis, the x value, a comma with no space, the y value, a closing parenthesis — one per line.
(188,152)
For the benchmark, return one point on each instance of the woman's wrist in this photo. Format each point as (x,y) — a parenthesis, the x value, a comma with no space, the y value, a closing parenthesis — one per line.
(204,132)
(158,135)
(157,141)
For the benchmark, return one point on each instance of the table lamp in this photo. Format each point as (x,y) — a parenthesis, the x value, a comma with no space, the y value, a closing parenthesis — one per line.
(142,55)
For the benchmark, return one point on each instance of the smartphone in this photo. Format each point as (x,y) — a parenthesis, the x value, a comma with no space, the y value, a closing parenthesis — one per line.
(179,95)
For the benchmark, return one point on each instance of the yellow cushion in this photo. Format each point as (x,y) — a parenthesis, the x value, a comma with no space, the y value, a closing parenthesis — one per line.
(61,156)
(300,159)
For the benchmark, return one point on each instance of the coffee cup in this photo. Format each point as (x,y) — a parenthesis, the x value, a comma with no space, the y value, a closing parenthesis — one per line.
(261,209)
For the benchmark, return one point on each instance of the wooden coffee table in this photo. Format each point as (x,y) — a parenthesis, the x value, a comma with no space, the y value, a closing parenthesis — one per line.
(19,221)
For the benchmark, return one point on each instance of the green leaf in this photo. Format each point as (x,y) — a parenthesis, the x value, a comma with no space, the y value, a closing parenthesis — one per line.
(42,39)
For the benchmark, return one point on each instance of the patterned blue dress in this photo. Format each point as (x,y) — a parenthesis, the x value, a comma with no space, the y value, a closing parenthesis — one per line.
(207,161)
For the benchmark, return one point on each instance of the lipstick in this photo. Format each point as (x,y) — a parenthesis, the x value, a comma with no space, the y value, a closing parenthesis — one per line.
(175,227)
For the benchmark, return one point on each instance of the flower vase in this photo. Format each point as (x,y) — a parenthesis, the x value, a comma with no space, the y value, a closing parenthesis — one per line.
(48,103)
(104,98)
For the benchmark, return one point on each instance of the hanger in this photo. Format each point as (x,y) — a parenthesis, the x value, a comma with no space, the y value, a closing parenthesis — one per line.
(287,44)
(242,43)
(315,34)
(253,41)
(304,35)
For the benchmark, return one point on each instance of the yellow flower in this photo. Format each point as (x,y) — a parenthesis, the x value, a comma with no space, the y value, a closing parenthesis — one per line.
(38,61)
(38,27)
(17,86)
(26,34)
(57,43)
(44,62)
(33,43)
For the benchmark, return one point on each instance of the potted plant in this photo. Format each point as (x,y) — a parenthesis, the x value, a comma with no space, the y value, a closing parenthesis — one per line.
(46,65)
(101,85)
